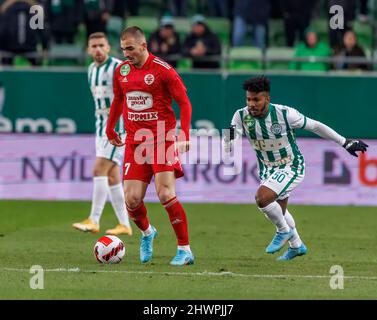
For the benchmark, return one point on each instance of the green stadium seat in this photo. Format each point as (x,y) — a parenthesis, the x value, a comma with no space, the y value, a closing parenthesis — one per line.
(222,27)
(80,36)
(151,8)
(321,27)
(368,53)
(182,26)
(275,53)
(148,24)
(238,58)
(66,55)
(114,29)
(184,64)
(20,61)
(276,34)
(364,34)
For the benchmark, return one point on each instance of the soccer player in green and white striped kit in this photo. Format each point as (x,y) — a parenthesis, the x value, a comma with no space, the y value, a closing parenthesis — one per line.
(270,131)
(109,158)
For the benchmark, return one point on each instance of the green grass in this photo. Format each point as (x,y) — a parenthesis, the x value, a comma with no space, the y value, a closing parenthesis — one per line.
(224,238)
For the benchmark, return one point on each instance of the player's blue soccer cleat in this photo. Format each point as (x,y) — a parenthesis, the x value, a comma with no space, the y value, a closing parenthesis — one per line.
(146,246)
(279,240)
(293,252)
(182,257)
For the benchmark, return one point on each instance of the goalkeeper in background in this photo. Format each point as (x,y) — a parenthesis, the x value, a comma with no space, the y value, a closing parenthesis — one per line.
(270,130)
(107,178)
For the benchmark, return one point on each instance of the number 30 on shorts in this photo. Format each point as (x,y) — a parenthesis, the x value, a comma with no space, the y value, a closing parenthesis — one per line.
(279,176)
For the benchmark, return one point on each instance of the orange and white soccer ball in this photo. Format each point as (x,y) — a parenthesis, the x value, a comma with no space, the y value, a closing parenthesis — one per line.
(109,249)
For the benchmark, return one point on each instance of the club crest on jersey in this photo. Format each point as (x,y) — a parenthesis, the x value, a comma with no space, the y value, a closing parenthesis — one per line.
(249,121)
(149,79)
(276,128)
(125,70)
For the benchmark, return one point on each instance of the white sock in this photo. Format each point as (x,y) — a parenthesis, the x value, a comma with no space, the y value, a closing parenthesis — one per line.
(274,213)
(100,190)
(119,205)
(186,248)
(295,241)
(147,232)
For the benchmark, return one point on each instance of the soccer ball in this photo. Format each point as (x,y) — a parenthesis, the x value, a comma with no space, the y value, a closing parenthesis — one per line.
(109,249)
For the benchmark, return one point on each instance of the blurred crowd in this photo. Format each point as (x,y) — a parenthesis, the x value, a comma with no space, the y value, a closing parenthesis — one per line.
(250,23)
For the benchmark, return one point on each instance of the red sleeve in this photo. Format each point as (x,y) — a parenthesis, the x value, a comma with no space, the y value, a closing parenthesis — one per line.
(178,91)
(116,108)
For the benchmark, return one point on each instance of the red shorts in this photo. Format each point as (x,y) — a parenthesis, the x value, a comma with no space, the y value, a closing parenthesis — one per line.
(141,162)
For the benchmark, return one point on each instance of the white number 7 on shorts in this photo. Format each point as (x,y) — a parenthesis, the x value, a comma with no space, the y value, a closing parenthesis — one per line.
(126,168)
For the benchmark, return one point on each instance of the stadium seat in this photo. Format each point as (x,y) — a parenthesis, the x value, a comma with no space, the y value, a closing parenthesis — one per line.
(20,61)
(364,34)
(321,27)
(220,26)
(151,8)
(66,55)
(80,36)
(182,26)
(276,34)
(245,58)
(184,64)
(275,53)
(114,29)
(148,24)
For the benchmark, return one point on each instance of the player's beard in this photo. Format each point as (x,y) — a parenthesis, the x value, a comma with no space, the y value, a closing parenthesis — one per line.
(261,111)
(100,58)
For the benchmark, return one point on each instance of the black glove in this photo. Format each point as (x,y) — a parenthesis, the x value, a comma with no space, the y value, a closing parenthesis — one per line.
(352,146)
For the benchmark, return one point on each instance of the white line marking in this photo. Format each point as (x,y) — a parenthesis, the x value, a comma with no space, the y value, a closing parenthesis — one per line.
(191,274)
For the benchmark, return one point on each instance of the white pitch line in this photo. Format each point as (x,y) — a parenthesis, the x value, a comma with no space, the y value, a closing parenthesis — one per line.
(190,274)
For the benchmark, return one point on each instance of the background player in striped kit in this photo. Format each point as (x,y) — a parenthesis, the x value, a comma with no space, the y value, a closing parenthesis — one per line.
(107,179)
(270,130)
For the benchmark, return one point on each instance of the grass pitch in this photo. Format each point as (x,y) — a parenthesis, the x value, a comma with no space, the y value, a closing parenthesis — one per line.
(228,242)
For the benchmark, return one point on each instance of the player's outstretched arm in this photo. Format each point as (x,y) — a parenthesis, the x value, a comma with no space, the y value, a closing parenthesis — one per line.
(353,145)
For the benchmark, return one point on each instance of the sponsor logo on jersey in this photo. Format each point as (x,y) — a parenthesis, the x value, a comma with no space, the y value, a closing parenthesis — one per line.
(276,128)
(142,116)
(125,70)
(125,79)
(149,79)
(139,100)
(249,121)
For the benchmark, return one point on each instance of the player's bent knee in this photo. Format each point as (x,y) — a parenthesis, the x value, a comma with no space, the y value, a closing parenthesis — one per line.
(132,201)
(263,200)
(165,194)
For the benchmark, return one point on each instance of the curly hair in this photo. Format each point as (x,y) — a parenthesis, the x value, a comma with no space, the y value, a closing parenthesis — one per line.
(257,84)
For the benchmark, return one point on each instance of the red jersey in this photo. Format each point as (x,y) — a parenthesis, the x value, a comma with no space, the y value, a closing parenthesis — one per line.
(145,95)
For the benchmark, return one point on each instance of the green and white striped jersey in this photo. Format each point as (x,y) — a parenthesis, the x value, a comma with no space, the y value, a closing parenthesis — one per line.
(273,137)
(101,85)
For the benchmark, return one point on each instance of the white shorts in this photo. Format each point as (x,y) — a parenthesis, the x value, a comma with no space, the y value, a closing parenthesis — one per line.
(104,149)
(283,181)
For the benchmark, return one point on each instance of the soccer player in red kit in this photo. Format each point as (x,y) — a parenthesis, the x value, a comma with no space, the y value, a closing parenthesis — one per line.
(144,86)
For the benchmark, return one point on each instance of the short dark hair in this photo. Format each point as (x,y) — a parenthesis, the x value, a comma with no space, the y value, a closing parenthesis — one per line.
(257,84)
(97,35)
(133,31)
